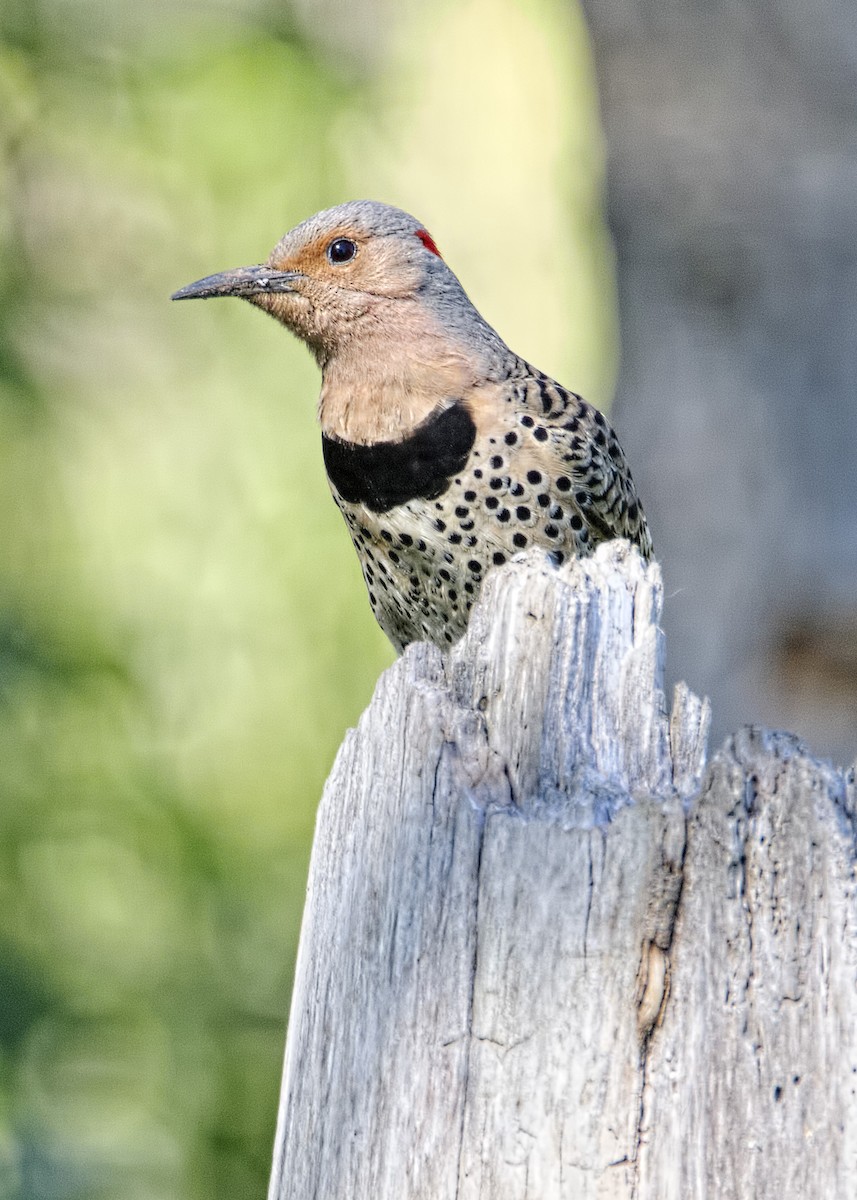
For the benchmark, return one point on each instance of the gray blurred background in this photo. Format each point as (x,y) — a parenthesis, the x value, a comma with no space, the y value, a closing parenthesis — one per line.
(184,635)
(732,196)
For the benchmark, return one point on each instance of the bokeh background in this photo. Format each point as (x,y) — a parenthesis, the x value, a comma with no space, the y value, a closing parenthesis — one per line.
(183,631)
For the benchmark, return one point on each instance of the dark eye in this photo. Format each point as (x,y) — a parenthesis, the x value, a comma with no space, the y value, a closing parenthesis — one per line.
(341,251)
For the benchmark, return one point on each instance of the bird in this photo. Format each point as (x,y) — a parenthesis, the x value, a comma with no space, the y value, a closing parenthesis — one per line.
(446,452)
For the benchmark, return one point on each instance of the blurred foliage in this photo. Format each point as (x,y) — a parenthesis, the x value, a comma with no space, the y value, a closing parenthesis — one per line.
(183,631)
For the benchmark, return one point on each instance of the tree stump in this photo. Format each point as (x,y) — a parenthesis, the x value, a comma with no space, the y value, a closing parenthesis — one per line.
(547,954)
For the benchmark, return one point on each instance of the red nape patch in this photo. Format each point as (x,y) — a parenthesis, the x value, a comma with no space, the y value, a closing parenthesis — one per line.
(428,241)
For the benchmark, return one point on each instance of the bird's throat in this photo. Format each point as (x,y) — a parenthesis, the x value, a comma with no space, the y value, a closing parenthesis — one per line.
(383,394)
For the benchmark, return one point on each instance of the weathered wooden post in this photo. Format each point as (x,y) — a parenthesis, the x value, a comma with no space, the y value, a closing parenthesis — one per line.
(543,956)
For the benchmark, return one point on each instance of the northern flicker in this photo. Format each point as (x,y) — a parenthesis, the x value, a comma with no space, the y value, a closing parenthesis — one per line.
(446,453)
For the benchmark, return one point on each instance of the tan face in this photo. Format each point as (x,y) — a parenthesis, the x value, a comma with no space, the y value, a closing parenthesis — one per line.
(346,258)
(341,276)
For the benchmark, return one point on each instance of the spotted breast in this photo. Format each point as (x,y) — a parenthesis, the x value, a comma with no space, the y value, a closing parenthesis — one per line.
(430,515)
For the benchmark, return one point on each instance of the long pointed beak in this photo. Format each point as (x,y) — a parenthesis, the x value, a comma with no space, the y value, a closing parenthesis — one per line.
(243,281)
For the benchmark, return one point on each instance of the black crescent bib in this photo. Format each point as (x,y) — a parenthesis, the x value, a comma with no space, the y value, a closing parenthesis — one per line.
(386,474)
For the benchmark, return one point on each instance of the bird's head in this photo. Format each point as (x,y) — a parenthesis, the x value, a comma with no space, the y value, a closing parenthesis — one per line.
(358,267)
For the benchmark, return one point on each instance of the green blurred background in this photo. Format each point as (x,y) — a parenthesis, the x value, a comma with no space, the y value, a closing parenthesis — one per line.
(184,635)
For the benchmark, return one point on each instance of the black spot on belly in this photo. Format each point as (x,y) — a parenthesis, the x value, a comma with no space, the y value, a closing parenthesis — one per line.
(386,474)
